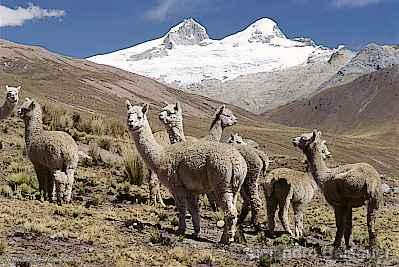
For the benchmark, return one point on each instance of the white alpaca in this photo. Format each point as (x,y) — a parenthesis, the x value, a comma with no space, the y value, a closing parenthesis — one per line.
(10,103)
(190,169)
(49,151)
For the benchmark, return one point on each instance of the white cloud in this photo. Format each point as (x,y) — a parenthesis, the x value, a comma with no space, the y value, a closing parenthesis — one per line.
(355,3)
(164,9)
(18,16)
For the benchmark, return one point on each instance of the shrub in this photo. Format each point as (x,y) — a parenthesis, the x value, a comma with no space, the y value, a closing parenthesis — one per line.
(134,166)
(94,152)
(97,125)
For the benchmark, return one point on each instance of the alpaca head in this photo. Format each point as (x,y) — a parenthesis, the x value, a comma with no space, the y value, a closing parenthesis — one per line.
(12,94)
(226,116)
(136,116)
(236,139)
(171,115)
(312,142)
(62,179)
(26,110)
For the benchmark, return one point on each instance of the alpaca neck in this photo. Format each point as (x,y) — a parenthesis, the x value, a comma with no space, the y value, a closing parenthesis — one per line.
(216,131)
(33,126)
(150,151)
(6,109)
(317,167)
(176,133)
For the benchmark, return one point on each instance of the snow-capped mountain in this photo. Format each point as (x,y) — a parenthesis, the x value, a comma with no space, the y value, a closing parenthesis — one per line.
(186,57)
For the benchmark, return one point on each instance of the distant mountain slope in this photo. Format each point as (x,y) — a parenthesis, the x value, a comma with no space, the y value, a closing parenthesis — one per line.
(367,105)
(90,87)
(243,69)
(267,90)
(370,58)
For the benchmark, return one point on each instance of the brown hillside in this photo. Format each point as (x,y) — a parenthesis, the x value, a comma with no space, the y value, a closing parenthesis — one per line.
(366,106)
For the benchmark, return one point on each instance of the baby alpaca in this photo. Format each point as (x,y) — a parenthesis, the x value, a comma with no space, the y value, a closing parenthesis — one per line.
(237,139)
(344,187)
(283,187)
(49,151)
(10,103)
(190,169)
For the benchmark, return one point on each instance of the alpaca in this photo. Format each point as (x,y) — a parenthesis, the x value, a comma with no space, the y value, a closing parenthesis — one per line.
(48,151)
(257,161)
(283,187)
(237,139)
(344,187)
(10,102)
(190,169)
(223,118)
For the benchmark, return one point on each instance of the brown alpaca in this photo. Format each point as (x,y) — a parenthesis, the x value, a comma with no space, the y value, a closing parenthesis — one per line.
(344,187)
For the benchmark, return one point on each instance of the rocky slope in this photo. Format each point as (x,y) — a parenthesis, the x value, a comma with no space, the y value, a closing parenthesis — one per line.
(371,58)
(257,68)
(366,106)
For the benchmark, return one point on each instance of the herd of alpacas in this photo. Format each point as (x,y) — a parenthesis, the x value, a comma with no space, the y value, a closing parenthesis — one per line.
(190,166)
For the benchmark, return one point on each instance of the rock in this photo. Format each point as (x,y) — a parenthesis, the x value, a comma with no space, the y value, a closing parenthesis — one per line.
(385,188)
(220,224)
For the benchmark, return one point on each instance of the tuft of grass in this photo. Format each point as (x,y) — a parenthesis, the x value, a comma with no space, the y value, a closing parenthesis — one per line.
(3,246)
(36,228)
(284,240)
(23,184)
(94,153)
(134,166)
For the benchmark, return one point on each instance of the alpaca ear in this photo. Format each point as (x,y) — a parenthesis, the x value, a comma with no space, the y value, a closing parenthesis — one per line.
(145,108)
(18,88)
(315,132)
(32,104)
(128,104)
(178,106)
(324,142)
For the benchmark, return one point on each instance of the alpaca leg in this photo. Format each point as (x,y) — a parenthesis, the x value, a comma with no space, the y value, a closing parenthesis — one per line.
(155,191)
(245,205)
(271,206)
(212,200)
(70,172)
(284,205)
(180,199)
(371,215)
(348,228)
(228,204)
(255,202)
(194,209)
(339,222)
(50,186)
(298,215)
(40,174)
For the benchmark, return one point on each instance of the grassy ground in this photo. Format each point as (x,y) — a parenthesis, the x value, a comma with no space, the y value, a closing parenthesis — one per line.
(110,222)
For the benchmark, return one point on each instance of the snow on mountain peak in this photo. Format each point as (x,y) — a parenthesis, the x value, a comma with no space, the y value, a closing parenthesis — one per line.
(186,55)
(265,27)
(188,32)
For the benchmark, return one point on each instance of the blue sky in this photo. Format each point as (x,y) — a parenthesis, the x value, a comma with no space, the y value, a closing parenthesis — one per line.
(87,27)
